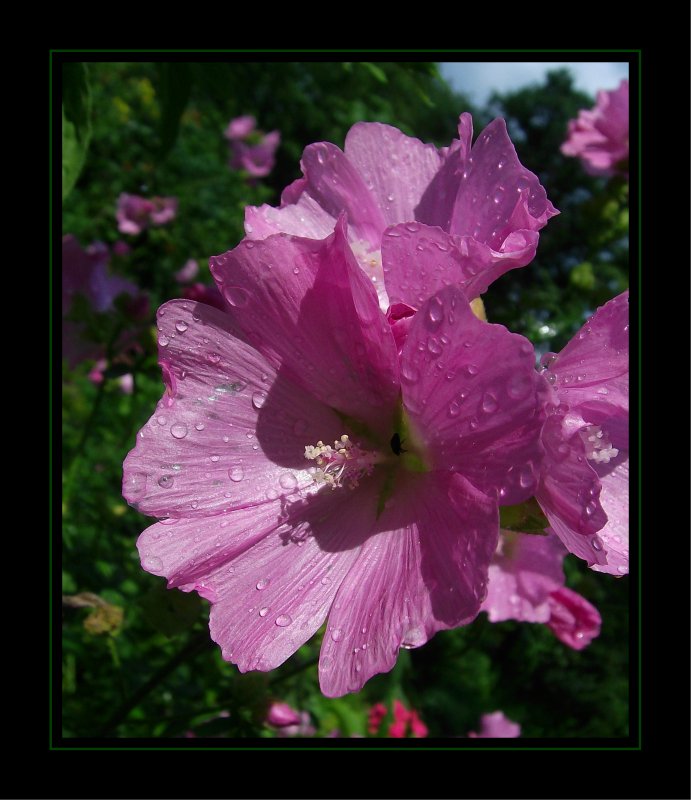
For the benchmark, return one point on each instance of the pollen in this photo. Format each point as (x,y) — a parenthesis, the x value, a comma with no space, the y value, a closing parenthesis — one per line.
(598,447)
(344,464)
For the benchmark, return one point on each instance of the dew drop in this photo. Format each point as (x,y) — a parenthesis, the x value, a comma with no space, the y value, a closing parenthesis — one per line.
(215,458)
(199,426)
(472,370)
(435,312)
(489,403)
(336,634)
(166,481)
(152,564)
(409,372)
(163,341)
(263,611)
(271,494)
(454,408)
(179,430)
(262,584)
(258,399)
(596,544)
(284,620)
(434,346)
(236,296)
(214,358)
(161,420)
(236,474)
(288,480)
(325,581)
(181,326)
(621,569)
(136,482)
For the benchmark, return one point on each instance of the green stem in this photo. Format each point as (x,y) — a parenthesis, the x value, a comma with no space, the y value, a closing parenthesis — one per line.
(193,648)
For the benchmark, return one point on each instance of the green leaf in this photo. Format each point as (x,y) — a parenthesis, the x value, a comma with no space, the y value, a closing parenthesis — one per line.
(175,84)
(76,122)
(375,71)
(170,611)
(525,517)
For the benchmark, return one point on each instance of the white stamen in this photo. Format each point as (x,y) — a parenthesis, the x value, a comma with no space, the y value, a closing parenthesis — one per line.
(344,459)
(598,447)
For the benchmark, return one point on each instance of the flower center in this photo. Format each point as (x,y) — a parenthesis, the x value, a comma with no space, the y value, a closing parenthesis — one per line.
(598,447)
(343,464)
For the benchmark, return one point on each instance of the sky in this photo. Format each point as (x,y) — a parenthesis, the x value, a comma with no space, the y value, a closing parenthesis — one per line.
(479,79)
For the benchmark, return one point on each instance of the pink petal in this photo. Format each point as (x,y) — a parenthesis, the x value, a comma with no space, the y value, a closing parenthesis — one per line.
(594,365)
(472,395)
(574,621)
(522,575)
(569,493)
(307,305)
(281,714)
(614,478)
(496,726)
(418,260)
(396,168)
(303,218)
(282,588)
(229,432)
(424,570)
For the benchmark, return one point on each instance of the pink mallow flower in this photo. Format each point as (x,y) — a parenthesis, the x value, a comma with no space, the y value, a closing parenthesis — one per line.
(478,209)
(85,273)
(289,722)
(526,583)
(388,534)
(584,486)
(135,213)
(600,137)
(406,721)
(240,127)
(256,158)
(496,726)
(188,271)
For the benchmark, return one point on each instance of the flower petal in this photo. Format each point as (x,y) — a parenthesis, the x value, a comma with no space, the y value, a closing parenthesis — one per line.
(396,168)
(594,365)
(522,575)
(473,397)
(496,726)
(283,587)
(230,430)
(569,493)
(307,305)
(423,570)
(418,260)
(574,621)
(615,501)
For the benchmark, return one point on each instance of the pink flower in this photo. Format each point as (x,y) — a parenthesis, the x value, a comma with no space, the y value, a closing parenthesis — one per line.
(405,720)
(240,127)
(85,274)
(600,137)
(584,487)
(526,583)
(281,714)
(188,272)
(375,717)
(135,213)
(488,207)
(390,532)
(258,158)
(496,726)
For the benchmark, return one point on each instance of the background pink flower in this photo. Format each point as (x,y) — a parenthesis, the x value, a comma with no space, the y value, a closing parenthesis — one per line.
(496,726)
(600,137)
(135,213)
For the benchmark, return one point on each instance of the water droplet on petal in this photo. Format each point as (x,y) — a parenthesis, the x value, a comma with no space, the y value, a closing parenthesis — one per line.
(489,403)
(336,634)
(236,474)
(214,358)
(596,543)
(236,296)
(471,369)
(409,372)
(199,426)
(152,564)
(325,581)
(215,458)
(271,494)
(181,326)
(288,480)
(166,481)
(258,399)
(284,620)
(163,341)
(435,313)
(262,584)
(179,430)
(263,611)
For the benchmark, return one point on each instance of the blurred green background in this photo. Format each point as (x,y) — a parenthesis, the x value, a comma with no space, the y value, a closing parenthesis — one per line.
(138,661)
